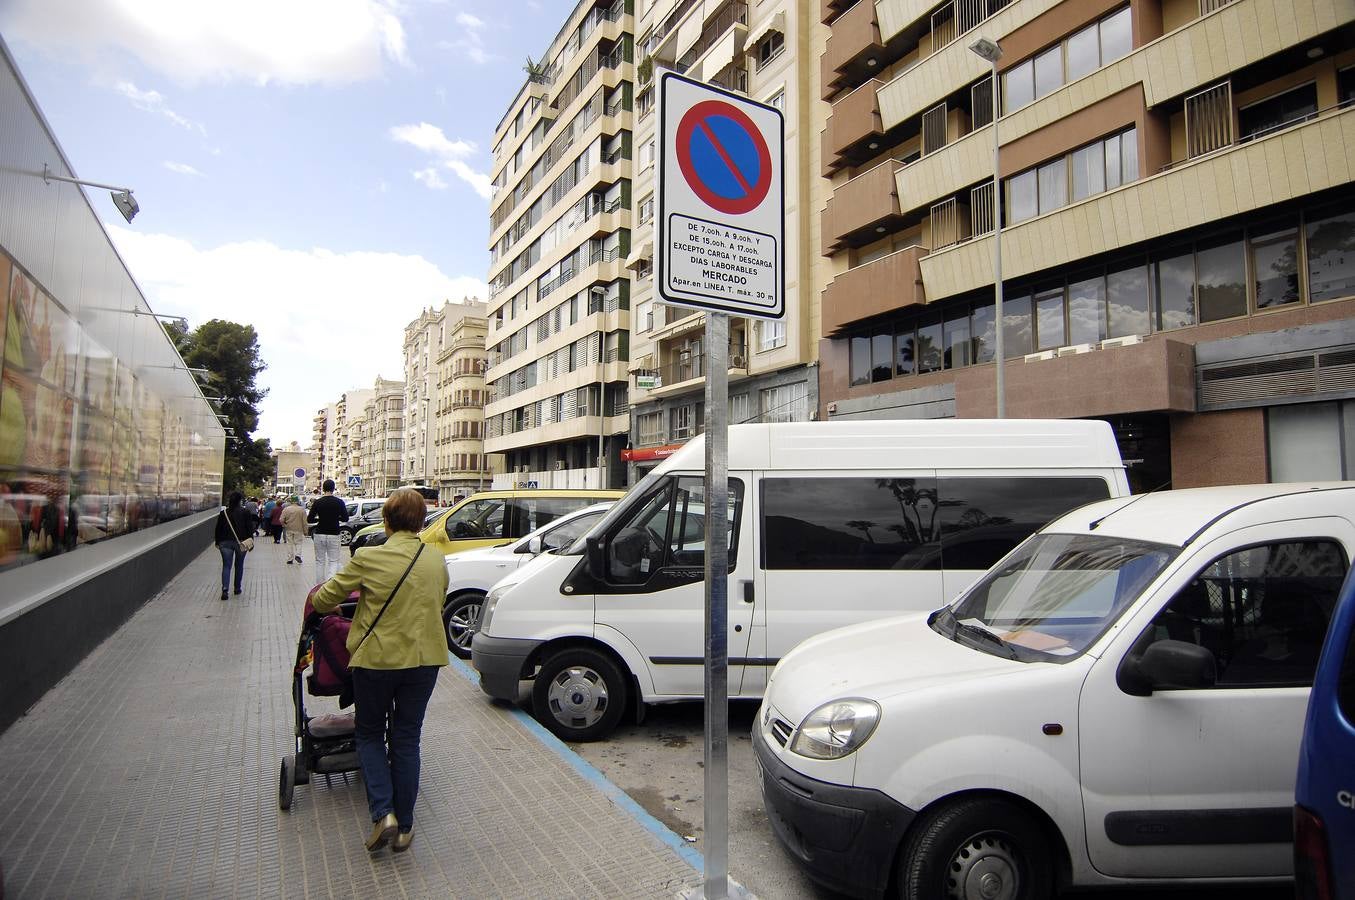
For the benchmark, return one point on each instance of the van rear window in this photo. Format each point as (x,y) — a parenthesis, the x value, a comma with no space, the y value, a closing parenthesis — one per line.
(910,523)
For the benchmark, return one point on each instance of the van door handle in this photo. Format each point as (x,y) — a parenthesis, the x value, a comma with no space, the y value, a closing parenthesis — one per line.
(747,591)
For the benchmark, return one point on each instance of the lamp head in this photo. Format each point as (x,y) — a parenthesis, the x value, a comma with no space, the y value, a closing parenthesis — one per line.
(126,204)
(987,49)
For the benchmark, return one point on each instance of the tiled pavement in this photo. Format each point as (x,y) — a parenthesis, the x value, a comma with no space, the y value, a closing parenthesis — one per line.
(152,771)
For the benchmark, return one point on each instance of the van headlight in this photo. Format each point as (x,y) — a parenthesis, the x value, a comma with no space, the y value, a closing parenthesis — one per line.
(487,610)
(836,728)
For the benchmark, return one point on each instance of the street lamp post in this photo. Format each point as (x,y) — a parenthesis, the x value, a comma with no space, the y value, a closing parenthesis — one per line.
(989,50)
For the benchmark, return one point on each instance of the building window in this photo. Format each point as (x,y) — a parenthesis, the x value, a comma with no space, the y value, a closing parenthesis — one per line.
(1288,108)
(1311,441)
(1330,245)
(769,48)
(1274,265)
(787,403)
(771,334)
(739,409)
(1097,45)
(1221,279)
(649,429)
(778,100)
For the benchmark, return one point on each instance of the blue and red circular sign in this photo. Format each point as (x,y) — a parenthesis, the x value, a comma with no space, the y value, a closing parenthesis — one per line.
(723,157)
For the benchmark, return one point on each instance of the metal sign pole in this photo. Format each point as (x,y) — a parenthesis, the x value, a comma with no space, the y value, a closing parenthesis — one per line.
(716,798)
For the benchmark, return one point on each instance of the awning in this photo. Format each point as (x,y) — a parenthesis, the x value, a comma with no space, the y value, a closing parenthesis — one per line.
(644,251)
(720,56)
(688,33)
(767,26)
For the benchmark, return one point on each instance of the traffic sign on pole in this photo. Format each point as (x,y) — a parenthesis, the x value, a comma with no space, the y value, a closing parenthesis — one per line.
(355,481)
(721,219)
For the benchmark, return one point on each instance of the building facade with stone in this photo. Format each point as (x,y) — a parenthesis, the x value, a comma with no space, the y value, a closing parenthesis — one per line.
(460,466)
(1178,224)
(764,51)
(559,291)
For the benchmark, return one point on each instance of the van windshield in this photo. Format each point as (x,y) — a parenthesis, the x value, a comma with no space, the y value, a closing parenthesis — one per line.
(1053,596)
(620,508)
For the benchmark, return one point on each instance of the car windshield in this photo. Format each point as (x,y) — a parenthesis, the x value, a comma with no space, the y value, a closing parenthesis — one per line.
(1053,596)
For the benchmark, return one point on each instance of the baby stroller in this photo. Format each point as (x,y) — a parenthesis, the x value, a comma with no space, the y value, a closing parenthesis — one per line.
(324,744)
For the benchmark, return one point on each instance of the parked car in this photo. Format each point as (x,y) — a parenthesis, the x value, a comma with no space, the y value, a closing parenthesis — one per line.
(829,523)
(374,534)
(1324,807)
(490,518)
(471,573)
(359,510)
(1119,700)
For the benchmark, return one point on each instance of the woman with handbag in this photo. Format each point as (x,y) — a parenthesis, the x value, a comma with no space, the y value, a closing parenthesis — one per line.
(396,645)
(233,522)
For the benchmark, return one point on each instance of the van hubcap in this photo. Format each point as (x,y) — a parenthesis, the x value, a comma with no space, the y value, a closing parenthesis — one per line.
(984,868)
(578,697)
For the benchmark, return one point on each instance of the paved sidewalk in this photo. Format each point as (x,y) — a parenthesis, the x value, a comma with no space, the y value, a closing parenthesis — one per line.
(152,771)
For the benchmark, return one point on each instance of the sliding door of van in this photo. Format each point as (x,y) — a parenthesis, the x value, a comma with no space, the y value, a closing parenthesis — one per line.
(654,594)
(841,549)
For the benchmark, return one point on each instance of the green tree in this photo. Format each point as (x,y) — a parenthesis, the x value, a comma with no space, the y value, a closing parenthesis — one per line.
(229,352)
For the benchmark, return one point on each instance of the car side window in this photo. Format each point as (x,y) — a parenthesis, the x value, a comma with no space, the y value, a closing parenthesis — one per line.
(475,519)
(668,530)
(569,532)
(1262,611)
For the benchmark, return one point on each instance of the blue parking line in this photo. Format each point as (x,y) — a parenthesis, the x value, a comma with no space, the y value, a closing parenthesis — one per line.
(613,793)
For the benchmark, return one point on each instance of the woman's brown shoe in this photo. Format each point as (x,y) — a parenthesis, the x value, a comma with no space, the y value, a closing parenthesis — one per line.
(402,841)
(383,830)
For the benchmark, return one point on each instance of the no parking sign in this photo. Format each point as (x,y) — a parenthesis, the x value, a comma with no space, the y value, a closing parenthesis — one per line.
(721,200)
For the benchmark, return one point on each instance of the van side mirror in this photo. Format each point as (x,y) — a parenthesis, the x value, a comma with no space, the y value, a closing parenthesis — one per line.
(596,555)
(1167,664)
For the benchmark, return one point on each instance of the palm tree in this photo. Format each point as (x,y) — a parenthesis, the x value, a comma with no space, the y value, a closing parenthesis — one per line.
(864,527)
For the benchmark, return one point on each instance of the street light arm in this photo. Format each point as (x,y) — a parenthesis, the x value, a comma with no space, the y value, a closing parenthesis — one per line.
(49,176)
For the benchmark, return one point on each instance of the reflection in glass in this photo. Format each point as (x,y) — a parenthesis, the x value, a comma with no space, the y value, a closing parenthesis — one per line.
(860,361)
(1127,301)
(1054,185)
(984,333)
(903,364)
(1049,71)
(1089,171)
(956,339)
(850,523)
(1117,36)
(1018,86)
(1084,54)
(1022,197)
(1174,280)
(1221,276)
(882,356)
(1275,266)
(928,349)
(1086,311)
(1049,329)
(1017,334)
(1331,256)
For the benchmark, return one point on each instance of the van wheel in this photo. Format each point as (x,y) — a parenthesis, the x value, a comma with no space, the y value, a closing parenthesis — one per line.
(460,616)
(579,694)
(976,849)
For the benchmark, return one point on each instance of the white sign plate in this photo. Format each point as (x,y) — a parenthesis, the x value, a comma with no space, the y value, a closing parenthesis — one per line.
(721,218)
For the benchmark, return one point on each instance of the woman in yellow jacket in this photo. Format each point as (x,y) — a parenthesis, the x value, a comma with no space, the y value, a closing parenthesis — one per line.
(395,658)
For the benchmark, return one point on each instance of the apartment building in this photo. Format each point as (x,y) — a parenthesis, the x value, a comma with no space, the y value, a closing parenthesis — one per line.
(765,51)
(559,292)
(322,440)
(381,450)
(347,434)
(422,344)
(460,466)
(1178,224)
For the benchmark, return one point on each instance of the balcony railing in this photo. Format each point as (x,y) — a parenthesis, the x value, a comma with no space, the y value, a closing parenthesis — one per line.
(692,364)
(731,14)
(866,201)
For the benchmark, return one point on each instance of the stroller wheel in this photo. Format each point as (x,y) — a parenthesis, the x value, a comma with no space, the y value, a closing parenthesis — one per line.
(286,782)
(299,764)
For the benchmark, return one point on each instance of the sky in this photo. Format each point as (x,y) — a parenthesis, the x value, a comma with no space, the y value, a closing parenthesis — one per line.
(318,169)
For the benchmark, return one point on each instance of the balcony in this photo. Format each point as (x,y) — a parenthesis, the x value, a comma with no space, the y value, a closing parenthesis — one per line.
(881,286)
(855,40)
(862,208)
(828,9)
(854,121)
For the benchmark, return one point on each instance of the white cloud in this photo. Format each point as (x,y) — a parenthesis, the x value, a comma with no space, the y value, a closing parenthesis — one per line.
(472,40)
(327,321)
(154,101)
(181,168)
(449,154)
(466,20)
(295,42)
(431,179)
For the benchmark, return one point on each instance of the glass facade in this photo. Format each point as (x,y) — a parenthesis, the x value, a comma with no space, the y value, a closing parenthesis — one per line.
(88,449)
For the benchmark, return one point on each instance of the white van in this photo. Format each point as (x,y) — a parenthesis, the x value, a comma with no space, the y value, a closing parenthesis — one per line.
(830,523)
(1120,700)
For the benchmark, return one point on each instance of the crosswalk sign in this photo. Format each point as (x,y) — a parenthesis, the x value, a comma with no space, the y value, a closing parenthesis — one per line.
(355,481)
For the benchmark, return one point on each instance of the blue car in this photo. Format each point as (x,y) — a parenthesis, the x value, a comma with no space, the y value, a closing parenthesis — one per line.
(1324,810)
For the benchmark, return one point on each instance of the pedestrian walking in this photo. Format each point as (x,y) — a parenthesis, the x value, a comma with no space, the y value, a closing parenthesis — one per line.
(275,520)
(294,524)
(396,645)
(252,507)
(266,515)
(231,523)
(326,513)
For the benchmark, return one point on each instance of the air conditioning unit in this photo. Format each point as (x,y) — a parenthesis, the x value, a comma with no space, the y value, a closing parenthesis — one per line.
(559,465)
(523,469)
(1036,357)
(1128,340)
(737,361)
(1075,349)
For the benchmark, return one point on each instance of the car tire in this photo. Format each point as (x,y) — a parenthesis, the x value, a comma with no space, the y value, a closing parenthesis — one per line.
(345,537)
(579,694)
(460,615)
(973,849)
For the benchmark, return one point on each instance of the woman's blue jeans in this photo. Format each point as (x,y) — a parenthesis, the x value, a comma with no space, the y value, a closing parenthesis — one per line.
(389,720)
(231,553)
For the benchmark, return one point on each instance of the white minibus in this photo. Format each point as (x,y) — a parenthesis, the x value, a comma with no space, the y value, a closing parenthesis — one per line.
(830,523)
